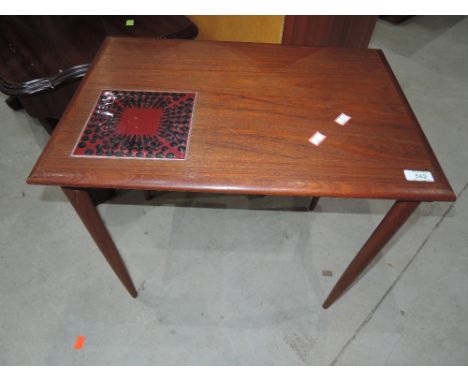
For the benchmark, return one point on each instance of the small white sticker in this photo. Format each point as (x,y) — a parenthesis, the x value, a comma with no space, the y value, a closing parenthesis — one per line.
(418,176)
(317,138)
(342,119)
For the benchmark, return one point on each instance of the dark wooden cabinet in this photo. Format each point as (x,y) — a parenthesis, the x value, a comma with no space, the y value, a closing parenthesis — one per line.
(43,58)
(343,31)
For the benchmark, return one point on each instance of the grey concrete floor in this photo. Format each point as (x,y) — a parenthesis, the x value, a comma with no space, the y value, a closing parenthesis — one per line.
(225,280)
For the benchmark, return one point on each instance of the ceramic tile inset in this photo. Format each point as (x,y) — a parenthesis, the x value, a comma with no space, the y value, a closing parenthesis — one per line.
(138,125)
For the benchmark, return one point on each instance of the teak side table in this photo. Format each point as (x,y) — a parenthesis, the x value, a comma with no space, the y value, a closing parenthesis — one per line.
(256,106)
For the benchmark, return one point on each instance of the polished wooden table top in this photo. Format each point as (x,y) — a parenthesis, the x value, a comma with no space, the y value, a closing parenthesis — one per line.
(256,107)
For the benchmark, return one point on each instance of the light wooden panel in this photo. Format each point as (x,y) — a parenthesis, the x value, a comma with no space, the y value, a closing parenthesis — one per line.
(240,28)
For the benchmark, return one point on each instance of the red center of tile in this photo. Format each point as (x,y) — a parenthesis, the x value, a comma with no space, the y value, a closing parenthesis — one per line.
(140,121)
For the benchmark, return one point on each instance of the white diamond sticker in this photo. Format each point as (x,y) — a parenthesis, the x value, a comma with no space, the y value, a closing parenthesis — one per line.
(317,138)
(342,119)
(418,176)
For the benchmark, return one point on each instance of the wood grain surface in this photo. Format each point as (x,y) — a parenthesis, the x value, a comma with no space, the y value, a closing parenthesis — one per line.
(256,107)
(338,30)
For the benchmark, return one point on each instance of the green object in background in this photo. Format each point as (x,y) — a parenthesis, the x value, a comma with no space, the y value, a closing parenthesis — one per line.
(129,23)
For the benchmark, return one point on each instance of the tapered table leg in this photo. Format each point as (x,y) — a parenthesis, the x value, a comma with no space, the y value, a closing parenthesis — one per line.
(86,210)
(313,203)
(395,218)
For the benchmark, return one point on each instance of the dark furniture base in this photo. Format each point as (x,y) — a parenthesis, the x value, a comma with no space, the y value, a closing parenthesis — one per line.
(43,58)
